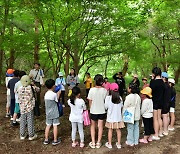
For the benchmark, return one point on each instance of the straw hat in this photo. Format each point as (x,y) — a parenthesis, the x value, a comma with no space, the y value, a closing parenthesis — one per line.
(135,76)
(147,91)
(25,80)
(144,79)
(114,87)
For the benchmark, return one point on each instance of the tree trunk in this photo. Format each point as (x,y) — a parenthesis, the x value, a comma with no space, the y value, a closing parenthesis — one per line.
(66,66)
(76,61)
(106,66)
(125,67)
(36,42)
(177,74)
(12,51)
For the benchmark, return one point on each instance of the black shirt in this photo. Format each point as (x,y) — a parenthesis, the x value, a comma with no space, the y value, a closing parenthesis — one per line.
(11,85)
(158,88)
(120,81)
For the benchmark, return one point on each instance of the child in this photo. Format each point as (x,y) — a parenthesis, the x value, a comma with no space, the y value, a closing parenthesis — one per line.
(106,84)
(52,113)
(61,82)
(172,104)
(9,76)
(11,85)
(96,99)
(76,116)
(145,84)
(26,103)
(88,83)
(113,104)
(133,100)
(147,115)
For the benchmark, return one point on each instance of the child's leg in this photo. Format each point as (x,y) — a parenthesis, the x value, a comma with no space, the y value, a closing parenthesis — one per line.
(93,131)
(47,132)
(8,104)
(81,132)
(160,122)
(136,132)
(100,130)
(74,130)
(172,115)
(165,122)
(146,122)
(156,123)
(14,117)
(130,135)
(118,131)
(110,131)
(23,124)
(30,123)
(55,132)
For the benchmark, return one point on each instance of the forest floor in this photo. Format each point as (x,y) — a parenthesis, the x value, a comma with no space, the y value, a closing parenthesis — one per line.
(11,144)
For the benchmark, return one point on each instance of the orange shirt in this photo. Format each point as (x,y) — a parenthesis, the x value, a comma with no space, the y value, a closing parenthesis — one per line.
(89,83)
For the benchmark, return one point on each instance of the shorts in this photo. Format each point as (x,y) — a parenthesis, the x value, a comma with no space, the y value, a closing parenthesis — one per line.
(17,109)
(172,109)
(157,106)
(8,101)
(97,117)
(53,122)
(148,126)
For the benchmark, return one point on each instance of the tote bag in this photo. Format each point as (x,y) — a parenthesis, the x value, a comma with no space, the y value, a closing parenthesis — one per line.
(129,114)
(86,118)
(41,78)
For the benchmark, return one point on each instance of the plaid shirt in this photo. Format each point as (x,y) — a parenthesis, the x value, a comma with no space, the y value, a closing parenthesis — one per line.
(26,99)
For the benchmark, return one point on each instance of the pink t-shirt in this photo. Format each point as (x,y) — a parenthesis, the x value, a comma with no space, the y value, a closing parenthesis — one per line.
(106,86)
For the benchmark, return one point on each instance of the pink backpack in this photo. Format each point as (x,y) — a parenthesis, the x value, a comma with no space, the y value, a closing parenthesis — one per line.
(86,118)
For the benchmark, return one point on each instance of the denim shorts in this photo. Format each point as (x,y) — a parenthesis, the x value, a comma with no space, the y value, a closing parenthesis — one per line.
(53,122)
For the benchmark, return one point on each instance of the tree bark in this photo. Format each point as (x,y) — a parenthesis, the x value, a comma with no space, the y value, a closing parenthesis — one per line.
(66,66)
(36,42)
(177,74)
(125,67)
(12,50)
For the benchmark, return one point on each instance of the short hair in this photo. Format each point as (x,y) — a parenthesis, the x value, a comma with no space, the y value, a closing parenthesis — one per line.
(22,73)
(37,64)
(120,73)
(156,71)
(99,80)
(16,73)
(134,88)
(88,73)
(49,83)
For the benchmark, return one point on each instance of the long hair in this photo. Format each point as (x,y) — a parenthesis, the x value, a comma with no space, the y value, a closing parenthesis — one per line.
(74,72)
(156,71)
(75,91)
(134,88)
(116,99)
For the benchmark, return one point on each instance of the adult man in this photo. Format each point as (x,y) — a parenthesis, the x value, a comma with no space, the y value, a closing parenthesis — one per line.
(120,81)
(37,76)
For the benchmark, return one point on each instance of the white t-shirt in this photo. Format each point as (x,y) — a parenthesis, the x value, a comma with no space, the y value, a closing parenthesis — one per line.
(76,114)
(97,96)
(50,95)
(16,88)
(113,110)
(7,80)
(147,108)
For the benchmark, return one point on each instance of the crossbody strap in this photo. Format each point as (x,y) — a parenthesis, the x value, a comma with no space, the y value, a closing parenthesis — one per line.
(36,75)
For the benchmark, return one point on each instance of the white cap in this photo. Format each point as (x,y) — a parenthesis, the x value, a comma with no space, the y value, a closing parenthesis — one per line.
(171,80)
(60,74)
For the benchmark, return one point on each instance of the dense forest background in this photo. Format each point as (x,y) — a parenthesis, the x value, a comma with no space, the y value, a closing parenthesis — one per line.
(101,36)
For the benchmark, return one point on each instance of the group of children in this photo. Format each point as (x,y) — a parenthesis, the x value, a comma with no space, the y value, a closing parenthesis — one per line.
(154,103)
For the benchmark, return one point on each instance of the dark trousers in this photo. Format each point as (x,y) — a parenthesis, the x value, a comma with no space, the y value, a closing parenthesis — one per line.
(62,96)
(148,126)
(87,92)
(38,100)
(12,106)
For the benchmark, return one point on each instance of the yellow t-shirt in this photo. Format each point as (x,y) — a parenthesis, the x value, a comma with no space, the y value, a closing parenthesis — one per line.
(89,83)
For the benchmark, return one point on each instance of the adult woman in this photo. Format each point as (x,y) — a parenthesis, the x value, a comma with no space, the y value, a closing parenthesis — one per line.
(158,88)
(72,79)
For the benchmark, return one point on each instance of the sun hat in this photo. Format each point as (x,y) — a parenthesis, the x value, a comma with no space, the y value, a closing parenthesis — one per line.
(164,74)
(135,76)
(114,87)
(60,74)
(147,91)
(144,79)
(10,72)
(171,80)
(25,80)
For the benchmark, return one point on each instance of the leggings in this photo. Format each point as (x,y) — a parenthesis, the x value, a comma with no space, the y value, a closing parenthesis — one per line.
(80,130)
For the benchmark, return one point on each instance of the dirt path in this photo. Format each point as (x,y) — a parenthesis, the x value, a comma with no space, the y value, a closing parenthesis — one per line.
(10,143)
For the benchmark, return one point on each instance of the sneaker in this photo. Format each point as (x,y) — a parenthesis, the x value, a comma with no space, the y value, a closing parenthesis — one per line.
(7,115)
(11,119)
(129,144)
(161,135)
(46,142)
(57,142)
(98,145)
(143,141)
(118,145)
(165,133)
(22,137)
(92,145)
(171,129)
(15,124)
(33,138)
(155,138)
(63,105)
(150,139)
(18,120)
(108,145)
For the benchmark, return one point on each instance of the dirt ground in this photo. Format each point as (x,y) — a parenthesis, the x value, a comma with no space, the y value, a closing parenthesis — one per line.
(11,144)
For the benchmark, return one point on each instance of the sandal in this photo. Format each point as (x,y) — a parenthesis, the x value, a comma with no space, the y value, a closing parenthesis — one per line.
(74,144)
(143,140)
(81,145)
(92,145)
(98,145)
